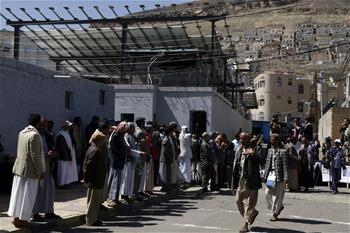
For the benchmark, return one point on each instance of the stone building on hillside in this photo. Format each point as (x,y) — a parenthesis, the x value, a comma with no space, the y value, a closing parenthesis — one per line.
(284,94)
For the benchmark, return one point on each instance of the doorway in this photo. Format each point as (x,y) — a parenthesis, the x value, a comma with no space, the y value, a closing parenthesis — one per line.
(198,122)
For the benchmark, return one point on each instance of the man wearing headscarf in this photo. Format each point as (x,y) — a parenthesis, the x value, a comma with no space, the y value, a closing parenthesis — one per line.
(119,151)
(185,154)
(66,168)
(128,177)
(94,172)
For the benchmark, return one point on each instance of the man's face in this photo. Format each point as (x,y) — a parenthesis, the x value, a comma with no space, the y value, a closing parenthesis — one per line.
(244,139)
(274,142)
(131,130)
(42,127)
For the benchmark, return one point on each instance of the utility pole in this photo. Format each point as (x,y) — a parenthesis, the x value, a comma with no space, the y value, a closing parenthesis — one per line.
(315,100)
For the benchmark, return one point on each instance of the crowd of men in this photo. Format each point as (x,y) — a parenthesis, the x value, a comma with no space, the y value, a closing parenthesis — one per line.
(123,161)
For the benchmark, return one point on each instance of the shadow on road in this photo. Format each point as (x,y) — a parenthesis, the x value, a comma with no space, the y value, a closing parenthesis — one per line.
(303,221)
(88,230)
(274,230)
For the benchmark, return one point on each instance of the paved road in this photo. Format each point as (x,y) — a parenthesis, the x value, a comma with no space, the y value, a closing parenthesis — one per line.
(217,213)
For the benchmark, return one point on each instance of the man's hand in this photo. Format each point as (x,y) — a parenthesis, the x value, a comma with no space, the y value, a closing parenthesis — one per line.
(52,154)
(249,152)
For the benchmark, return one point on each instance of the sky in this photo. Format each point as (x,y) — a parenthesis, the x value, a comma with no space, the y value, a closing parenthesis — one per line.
(73,5)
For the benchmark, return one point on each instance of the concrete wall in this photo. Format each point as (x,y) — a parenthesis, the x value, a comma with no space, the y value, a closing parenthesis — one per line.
(26,88)
(227,120)
(330,122)
(175,104)
(137,99)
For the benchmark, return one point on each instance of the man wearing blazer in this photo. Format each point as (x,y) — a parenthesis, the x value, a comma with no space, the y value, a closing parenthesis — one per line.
(246,181)
(277,163)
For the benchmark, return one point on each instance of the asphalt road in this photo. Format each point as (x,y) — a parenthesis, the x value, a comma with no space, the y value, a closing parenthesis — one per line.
(217,212)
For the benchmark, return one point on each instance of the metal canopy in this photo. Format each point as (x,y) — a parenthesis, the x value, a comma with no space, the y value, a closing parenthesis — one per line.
(94,45)
(101,46)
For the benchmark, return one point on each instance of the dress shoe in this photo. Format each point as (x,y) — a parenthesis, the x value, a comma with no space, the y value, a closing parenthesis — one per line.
(274,218)
(21,223)
(38,218)
(52,216)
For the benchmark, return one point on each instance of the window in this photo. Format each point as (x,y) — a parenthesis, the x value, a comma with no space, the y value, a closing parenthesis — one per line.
(128,117)
(300,107)
(279,82)
(261,101)
(262,83)
(68,100)
(101,97)
(289,100)
(300,89)
(279,97)
(290,82)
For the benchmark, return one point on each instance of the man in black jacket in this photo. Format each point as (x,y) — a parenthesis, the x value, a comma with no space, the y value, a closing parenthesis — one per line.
(94,172)
(207,163)
(246,181)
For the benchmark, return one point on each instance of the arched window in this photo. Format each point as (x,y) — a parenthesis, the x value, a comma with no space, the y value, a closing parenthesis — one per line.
(300,89)
(279,82)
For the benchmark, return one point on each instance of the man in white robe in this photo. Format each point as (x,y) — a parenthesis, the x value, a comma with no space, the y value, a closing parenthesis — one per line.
(46,190)
(28,169)
(66,167)
(127,186)
(185,154)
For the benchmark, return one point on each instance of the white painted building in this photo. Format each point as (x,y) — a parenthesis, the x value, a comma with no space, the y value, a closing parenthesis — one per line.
(201,106)
(25,89)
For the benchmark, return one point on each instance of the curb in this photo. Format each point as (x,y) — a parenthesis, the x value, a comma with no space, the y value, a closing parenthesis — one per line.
(79,220)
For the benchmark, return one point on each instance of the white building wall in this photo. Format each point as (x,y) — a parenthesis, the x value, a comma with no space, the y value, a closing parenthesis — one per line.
(175,104)
(227,120)
(26,89)
(137,99)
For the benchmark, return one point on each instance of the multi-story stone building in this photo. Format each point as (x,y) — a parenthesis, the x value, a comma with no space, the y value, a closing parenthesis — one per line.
(282,93)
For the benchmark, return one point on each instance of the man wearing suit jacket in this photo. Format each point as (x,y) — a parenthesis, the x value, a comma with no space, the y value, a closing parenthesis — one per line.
(246,181)
(166,159)
(277,163)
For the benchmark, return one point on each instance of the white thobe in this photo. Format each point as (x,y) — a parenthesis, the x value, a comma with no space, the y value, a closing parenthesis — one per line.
(23,196)
(185,157)
(127,185)
(67,170)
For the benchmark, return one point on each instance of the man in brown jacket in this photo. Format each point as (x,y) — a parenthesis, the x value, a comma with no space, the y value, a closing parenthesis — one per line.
(28,169)
(94,172)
